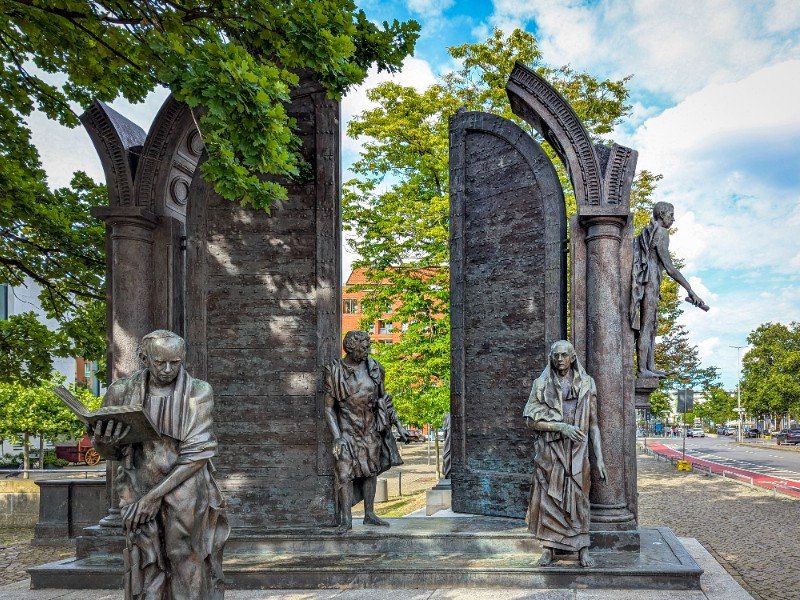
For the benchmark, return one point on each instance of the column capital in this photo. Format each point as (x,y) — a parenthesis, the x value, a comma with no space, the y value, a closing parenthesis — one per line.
(603,215)
(128,215)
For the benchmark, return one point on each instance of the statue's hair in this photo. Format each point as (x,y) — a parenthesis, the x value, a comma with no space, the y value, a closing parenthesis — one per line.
(568,344)
(159,334)
(353,338)
(659,208)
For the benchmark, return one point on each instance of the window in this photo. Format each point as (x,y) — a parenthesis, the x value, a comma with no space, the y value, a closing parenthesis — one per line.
(3,301)
(385,341)
(350,306)
(385,328)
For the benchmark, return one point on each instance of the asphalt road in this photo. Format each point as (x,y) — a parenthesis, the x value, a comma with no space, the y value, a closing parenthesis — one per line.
(725,451)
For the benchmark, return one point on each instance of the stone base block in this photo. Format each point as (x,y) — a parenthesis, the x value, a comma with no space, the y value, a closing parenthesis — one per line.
(413,553)
(437,499)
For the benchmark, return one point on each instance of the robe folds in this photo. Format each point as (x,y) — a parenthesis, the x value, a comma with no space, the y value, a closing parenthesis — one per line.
(365,424)
(177,555)
(558,513)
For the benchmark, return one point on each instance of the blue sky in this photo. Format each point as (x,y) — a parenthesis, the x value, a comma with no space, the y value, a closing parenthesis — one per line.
(715,87)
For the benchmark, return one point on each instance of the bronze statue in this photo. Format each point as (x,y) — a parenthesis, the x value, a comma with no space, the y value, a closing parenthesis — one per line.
(173,512)
(650,259)
(360,415)
(562,408)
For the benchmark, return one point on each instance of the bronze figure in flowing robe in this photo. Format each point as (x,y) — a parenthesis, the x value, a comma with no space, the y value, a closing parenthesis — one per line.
(562,409)
(650,259)
(360,415)
(174,517)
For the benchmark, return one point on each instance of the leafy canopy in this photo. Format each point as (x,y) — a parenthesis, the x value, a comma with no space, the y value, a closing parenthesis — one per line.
(235,58)
(771,370)
(397,206)
(232,61)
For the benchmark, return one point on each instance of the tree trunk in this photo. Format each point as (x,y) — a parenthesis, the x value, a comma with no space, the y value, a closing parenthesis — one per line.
(26,455)
(41,453)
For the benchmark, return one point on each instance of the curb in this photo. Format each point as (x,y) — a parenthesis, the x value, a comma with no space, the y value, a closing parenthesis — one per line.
(782,447)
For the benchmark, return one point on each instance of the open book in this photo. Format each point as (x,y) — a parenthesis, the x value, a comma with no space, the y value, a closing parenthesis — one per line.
(141,427)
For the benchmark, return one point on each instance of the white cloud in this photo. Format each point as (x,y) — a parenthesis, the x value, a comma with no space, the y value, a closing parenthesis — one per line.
(429,8)
(415,72)
(729,156)
(670,49)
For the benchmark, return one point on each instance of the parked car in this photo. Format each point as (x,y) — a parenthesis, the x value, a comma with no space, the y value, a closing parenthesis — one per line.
(696,432)
(415,435)
(789,436)
(753,432)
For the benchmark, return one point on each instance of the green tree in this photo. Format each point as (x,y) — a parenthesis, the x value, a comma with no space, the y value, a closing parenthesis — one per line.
(27,347)
(717,407)
(771,370)
(34,410)
(232,61)
(398,204)
(659,403)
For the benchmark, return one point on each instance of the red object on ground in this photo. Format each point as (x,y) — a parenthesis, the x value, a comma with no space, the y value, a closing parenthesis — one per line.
(769,482)
(74,453)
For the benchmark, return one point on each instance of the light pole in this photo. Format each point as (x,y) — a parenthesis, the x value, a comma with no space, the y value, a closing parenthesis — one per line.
(739,388)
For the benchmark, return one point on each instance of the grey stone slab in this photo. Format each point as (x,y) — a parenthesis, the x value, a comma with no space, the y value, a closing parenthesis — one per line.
(500,594)
(716,582)
(637,595)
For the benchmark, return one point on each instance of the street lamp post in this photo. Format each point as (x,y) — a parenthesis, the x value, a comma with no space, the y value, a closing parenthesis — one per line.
(739,388)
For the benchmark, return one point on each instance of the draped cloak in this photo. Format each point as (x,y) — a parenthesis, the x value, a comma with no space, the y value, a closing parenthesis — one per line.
(177,555)
(646,273)
(558,513)
(370,447)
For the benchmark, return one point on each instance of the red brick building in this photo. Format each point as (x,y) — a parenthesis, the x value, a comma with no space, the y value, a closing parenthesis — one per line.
(383,330)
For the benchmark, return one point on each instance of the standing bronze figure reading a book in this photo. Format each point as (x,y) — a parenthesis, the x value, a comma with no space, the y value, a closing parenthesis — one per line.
(173,511)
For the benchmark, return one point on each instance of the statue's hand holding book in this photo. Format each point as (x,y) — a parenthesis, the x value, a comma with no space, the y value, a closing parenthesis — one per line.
(112,425)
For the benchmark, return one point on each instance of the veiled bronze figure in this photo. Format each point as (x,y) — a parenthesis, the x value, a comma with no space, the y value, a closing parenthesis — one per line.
(173,512)
(562,409)
(360,415)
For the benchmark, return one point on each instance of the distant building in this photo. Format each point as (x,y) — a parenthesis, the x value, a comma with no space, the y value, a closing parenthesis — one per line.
(383,330)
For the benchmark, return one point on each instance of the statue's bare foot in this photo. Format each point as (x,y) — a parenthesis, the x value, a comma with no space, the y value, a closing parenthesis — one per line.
(585,559)
(648,373)
(343,528)
(373,519)
(546,558)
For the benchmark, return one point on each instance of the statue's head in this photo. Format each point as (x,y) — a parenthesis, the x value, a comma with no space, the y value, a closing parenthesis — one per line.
(664,213)
(356,345)
(163,353)
(562,356)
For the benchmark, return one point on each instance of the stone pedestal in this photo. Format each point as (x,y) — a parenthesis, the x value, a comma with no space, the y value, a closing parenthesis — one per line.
(440,497)
(426,553)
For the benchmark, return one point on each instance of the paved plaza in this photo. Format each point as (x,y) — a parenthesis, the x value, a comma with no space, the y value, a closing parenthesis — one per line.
(745,529)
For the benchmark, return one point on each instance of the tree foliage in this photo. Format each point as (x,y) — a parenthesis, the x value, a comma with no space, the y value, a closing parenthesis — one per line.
(771,370)
(34,410)
(717,407)
(232,62)
(237,59)
(397,207)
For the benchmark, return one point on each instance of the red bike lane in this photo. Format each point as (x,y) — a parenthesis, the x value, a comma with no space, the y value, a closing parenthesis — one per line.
(791,488)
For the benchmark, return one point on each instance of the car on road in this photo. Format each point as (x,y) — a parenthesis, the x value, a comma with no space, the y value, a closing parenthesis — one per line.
(789,436)
(696,432)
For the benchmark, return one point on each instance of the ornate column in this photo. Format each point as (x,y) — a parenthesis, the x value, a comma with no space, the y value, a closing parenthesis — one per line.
(606,361)
(129,231)
(600,258)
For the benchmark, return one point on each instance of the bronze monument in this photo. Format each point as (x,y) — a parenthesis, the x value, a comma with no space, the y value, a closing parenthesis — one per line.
(650,259)
(360,415)
(173,513)
(562,408)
